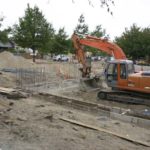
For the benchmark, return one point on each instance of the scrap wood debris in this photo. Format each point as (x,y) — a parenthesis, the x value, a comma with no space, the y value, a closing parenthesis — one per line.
(12,93)
(106,131)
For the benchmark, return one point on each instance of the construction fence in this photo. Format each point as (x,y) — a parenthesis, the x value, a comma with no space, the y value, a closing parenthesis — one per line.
(56,77)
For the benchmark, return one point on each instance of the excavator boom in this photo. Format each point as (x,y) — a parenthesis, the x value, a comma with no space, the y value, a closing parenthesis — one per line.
(105,46)
(99,43)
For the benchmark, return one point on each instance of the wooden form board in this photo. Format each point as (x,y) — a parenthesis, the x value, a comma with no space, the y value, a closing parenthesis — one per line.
(106,131)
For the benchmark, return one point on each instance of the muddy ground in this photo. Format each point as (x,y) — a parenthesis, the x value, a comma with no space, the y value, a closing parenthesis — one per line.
(35,124)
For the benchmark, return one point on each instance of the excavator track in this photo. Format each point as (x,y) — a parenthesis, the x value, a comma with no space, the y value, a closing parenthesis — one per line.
(125,97)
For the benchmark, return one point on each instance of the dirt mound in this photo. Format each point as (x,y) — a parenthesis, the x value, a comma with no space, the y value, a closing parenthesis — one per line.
(8,60)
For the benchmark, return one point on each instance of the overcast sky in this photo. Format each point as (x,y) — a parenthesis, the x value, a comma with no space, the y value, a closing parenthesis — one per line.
(64,13)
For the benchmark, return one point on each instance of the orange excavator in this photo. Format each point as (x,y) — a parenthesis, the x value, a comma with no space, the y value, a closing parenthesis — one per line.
(126,84)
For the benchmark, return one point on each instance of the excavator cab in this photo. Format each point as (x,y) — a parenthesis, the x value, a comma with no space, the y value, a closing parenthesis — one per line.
(117,72)
(111,74)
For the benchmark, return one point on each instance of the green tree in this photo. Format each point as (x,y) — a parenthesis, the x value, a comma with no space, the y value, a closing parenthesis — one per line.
(135,42)
(146,43)
(81,27)
(60,44)
(4,33)
(70,46)
(33,30)
(98,32)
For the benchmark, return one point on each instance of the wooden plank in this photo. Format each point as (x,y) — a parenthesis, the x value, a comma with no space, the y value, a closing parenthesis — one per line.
(106,131)
(12,93)
(7,90)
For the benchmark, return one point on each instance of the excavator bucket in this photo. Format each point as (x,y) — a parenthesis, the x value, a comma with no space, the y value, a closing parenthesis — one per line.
(88,84)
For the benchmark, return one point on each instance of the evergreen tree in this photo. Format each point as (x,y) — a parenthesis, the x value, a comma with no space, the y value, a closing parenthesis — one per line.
(99,32)
(81,28)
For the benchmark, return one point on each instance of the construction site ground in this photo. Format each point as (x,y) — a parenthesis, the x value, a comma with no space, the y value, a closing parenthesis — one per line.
(35,123)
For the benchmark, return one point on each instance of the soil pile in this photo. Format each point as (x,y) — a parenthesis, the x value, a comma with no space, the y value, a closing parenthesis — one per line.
(8,60)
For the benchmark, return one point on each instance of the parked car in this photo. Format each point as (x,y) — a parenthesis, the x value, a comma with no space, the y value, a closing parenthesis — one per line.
(94,58)
(60,58)
(64,58)
(57,58)
(99,58)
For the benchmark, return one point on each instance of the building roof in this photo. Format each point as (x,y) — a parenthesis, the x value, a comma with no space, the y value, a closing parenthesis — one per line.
(6,44)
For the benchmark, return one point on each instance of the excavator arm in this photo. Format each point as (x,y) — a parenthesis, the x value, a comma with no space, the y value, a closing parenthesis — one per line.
(80,54)
(99,43)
